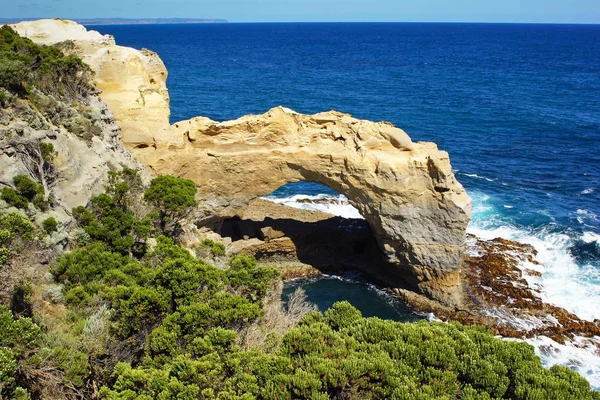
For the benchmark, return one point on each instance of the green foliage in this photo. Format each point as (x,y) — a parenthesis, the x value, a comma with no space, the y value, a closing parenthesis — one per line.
(13,198)
(15,229)
(172,197)
(344,355)
(250,279)
(50,225)
(24,64)
(26,190)
(47,150)
(19,337)
(109,218)
(26,186)
(216,249)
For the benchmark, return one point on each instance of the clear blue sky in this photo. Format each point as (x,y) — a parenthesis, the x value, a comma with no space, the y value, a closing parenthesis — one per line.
(561,11)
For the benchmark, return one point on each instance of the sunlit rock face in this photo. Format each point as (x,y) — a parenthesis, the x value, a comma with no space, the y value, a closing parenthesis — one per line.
(406,191)
(133,82)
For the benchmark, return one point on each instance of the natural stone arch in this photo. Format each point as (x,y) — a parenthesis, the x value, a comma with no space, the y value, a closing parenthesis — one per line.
(406,191)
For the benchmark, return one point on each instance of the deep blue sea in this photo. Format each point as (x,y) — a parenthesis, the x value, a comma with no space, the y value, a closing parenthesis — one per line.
(516,106)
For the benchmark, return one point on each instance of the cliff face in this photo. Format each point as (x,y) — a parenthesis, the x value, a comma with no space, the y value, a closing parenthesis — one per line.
(406,191)
(133,82)
(78,167)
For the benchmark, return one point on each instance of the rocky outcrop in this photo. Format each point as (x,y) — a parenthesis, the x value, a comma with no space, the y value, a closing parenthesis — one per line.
(406,191)
(133,82)
(78,167)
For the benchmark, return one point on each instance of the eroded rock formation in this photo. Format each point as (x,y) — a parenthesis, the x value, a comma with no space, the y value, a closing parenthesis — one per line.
(406,191)
(133,82)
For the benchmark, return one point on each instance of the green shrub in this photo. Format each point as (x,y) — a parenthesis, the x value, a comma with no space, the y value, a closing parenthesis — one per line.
(50,225)
(13,198)
(18,341)
(12,73)
(47,150)
(24,64)
(172,197)
(216,249)
(14,230)
(27,187)
(250,279)
(26,190)
(343,355)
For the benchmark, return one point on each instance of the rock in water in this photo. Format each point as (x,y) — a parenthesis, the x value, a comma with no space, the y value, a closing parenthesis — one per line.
(406,191)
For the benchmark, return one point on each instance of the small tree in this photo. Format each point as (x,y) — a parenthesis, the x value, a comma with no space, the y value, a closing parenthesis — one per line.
(50,225)
(173,198)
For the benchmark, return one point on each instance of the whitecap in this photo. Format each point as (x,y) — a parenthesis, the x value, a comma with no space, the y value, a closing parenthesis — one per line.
(336,205)
(587,191)
(479,177)
(590,237)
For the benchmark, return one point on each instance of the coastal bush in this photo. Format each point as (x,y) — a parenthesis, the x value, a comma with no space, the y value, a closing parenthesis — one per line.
(50,225)
(109,217)
(172,197)
(216,249)
(15,230)
(26,190)
(13,198)
(19,339)
(24,65)
(343,355)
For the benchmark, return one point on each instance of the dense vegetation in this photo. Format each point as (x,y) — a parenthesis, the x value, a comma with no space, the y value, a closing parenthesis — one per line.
(24,64)
(145,319)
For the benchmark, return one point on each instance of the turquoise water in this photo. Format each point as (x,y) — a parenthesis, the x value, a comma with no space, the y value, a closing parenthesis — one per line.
(324,291)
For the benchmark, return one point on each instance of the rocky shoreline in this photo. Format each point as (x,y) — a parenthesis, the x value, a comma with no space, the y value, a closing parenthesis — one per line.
(416,212)
(494,289)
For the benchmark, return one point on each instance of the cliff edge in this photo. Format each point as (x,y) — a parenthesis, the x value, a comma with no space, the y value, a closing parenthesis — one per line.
(406,191)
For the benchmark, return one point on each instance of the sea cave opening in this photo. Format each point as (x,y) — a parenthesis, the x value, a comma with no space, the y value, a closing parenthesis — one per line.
(306,229)
(308,223)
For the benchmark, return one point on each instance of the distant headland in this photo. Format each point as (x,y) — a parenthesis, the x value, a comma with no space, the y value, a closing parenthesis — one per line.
(128,21)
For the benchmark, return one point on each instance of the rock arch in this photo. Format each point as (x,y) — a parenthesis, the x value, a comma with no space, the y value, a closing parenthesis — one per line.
(406,191)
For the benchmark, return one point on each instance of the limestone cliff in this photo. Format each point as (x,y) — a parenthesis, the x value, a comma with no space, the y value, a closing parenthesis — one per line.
(406,191)
(80,159)
(133,82)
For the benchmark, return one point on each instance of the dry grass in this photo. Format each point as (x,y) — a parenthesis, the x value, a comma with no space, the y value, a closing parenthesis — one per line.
(278,319)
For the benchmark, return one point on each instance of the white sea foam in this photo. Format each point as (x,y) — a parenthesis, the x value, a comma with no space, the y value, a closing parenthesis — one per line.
(563,282)
(590,237)
(579,355)
(479,177)
(339,205)
(584,216)
(587,191)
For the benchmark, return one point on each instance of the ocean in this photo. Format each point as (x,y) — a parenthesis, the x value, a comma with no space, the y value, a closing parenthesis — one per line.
(516,106)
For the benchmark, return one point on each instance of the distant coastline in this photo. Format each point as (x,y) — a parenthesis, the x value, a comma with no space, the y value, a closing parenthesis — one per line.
(128,21)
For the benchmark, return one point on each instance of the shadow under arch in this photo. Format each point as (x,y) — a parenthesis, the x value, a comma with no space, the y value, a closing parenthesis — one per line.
(310,223)
(407,192)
